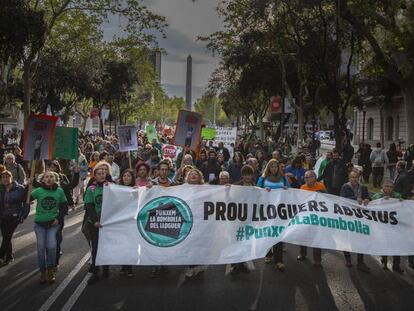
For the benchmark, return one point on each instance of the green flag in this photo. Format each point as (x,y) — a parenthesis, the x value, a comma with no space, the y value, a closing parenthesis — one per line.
(208,133)
(65,143)
(151,133)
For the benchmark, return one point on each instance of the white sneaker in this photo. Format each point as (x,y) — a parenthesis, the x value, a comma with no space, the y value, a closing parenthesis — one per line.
(198,270)
(190,273)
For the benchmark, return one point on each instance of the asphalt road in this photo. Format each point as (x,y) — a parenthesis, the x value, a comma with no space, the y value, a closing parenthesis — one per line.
(300,287)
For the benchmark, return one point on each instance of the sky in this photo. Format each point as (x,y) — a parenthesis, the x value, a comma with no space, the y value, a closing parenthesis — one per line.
(187,20)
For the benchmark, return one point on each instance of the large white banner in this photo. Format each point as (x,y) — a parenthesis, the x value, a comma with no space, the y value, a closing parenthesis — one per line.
(219,225)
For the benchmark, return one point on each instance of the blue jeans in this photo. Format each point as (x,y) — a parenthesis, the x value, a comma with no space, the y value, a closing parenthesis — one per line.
(46,246)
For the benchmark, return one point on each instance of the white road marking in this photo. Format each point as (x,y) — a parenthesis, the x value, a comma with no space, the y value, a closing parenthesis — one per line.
(76,294)
(259,292)
(48,303)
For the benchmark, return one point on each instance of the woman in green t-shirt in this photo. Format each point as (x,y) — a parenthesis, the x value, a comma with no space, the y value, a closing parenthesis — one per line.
(93,206)
(50,209)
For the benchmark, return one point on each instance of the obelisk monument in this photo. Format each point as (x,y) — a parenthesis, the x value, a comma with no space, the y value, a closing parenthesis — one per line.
(189,84)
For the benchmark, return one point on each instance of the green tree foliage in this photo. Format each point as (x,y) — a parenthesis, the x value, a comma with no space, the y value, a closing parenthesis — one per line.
(20,27)
(387,28)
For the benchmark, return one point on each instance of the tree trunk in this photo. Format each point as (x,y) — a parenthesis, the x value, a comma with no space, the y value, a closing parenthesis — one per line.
(261,129)
(381,112)
(27,82)
(408,93)
(84,120)
(338,131)
(300,123)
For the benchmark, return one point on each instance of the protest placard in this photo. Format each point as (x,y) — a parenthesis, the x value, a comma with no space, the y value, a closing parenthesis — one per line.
(38,137)
(188,129)
(127,138)
(208,133)
(65,143)
(151,132)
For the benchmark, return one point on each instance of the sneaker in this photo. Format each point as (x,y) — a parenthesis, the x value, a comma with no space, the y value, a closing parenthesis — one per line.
(361,266)
(235,270)
(93,279)
(301,258)
(244,268)
(317,264)
(105,273)
(397,269)
(164,270)
(268,260)
(280,266)
(155,272)
(190,273)
(123,271)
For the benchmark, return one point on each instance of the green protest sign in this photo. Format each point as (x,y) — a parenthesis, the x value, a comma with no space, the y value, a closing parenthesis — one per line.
(208,133)
(65,143)
(151,133)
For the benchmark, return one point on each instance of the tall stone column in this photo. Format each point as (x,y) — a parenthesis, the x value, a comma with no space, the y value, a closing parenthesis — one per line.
(189,84)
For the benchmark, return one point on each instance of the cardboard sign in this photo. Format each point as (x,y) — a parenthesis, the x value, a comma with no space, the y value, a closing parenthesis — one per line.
(188,129)
(169,151)
(208,133)
(38,137)
(65,143)
(127,138)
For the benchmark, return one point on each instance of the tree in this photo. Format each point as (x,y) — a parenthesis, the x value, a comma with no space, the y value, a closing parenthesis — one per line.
(301,45)
(20,27)
(138,21)
(387,27)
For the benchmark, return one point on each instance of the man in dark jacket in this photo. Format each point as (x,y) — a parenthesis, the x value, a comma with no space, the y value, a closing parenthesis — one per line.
(354,190)
(211,169)
(335,174)
(402,183)
(409,156)
(347,151)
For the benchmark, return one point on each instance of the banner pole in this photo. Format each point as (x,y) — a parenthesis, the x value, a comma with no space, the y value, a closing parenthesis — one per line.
(129,160)
(32,175)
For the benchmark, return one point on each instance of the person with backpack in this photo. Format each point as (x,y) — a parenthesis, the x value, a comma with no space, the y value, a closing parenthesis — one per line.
(393,156)
(379,160)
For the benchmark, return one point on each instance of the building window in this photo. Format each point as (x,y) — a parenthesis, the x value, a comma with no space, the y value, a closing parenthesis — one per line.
(390,128)
(370,129)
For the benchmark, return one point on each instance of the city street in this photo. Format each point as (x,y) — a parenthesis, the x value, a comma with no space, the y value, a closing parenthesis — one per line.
(300,287)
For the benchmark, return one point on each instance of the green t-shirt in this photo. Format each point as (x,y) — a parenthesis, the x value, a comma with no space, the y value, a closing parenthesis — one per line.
(93,196)
(380,195)
(48,201)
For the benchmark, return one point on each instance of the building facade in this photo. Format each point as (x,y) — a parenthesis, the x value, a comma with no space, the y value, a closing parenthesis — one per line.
(367,125)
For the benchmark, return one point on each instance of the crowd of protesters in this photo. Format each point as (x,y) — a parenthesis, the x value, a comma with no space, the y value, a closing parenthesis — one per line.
(60,185)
